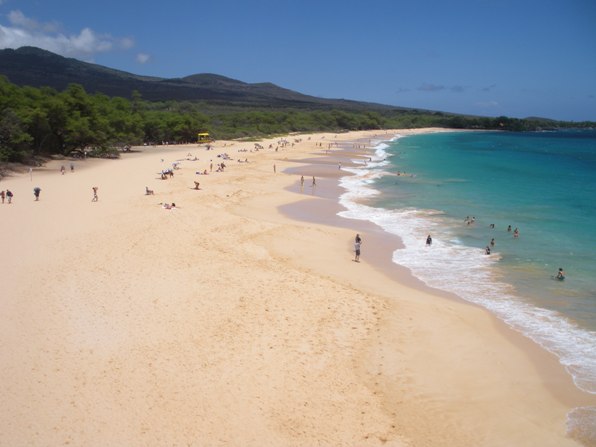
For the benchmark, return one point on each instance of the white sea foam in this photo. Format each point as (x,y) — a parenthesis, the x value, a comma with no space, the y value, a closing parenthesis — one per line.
(451,266)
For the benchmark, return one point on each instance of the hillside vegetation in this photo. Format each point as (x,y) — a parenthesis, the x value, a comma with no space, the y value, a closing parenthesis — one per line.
(42,121)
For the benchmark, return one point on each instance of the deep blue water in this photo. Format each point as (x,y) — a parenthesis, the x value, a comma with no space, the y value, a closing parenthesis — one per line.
(543,183)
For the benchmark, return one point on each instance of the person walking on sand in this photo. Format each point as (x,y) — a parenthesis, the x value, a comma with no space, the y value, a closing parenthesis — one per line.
(274,169)
(9,195)
(314,182)
(2,195)
(36,192)
(62,169)
(95,198)
(301,182)
(357,244)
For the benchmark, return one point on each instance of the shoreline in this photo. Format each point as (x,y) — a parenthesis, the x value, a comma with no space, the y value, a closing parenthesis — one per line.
(225,321)
(381,259)
(547,363)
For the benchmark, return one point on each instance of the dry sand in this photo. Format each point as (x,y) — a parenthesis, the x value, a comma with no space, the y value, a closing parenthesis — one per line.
(226,322)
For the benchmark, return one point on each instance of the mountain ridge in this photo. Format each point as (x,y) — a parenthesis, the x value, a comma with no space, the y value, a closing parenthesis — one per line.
(35,67)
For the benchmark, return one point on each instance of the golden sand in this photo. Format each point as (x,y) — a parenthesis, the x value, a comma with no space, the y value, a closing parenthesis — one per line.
(225,322)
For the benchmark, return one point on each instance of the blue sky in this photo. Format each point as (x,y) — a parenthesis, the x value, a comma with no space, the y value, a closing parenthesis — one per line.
(516,58)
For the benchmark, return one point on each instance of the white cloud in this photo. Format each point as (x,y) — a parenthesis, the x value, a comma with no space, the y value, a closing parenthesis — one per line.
(25,31)
(143,58)
(18,19)
(126,43)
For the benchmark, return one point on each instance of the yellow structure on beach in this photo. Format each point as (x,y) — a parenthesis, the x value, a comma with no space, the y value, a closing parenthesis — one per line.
(203,137)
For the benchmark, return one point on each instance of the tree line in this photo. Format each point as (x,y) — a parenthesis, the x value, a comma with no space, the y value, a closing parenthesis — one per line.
(40,122)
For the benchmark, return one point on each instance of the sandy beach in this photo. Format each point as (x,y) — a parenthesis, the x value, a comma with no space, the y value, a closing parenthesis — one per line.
(238,317)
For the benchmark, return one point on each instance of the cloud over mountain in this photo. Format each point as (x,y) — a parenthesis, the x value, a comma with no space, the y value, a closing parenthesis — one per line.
(26,31)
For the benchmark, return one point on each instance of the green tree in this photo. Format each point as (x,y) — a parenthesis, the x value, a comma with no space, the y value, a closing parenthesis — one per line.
(14,140)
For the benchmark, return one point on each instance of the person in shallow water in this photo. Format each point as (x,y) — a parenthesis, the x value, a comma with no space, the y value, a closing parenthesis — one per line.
(561,274)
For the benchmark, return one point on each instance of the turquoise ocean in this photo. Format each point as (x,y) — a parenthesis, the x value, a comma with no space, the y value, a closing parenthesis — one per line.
(542,183)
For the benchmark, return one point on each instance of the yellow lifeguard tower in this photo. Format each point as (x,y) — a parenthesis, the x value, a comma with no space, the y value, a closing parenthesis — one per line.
(203,137)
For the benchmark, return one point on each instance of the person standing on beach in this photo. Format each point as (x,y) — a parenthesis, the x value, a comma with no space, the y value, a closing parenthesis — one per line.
(36,192)
(274,168)
(429,240)
(301,182)
(2,195)
(9,195)
(314,182)
(95,198)
(62,169)
(357,244)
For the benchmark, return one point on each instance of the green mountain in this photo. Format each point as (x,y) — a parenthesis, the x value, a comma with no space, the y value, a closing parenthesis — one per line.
(38,68)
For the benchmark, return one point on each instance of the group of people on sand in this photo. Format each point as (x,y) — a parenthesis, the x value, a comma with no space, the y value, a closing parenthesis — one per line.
(313,184)
(167,173)
(63,168)
(6,195)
